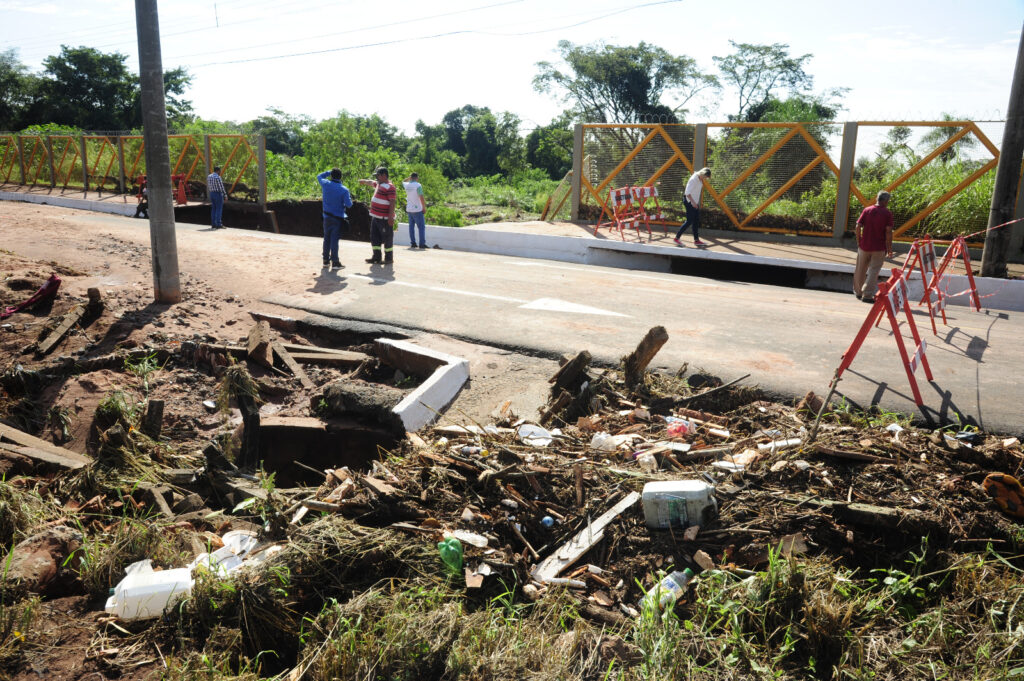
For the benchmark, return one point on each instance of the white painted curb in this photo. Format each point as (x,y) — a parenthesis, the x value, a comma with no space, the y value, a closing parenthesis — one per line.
(126,209)
(422,406)
(996,294)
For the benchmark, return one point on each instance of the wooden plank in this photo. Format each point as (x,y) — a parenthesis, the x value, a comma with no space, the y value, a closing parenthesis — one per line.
(574,549)
(45,456)
(336,357)
(59,455)
(292,365)
(70,318)
(295,347)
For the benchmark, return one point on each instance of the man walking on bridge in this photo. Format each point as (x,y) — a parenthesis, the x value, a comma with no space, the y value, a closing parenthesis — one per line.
(691,199)
(382,217)
(216,191)
(874,244)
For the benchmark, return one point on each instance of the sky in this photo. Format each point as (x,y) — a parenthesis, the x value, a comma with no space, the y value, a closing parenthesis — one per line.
(409,61)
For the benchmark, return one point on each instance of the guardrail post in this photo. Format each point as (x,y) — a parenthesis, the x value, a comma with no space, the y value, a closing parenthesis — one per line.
(49,159)
(842,214)
(261,167)
(120,164)
(21,158)
(206,152)
(577,172)
(700,146)
(85,164)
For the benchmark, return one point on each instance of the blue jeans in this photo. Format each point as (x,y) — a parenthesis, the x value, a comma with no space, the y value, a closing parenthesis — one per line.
(216,208)
(417,219)
(332,232)
(692,218)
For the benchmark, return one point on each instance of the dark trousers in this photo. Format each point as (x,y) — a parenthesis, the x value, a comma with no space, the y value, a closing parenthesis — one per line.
(382,238)
(142,210)
(692,218)
(333,227)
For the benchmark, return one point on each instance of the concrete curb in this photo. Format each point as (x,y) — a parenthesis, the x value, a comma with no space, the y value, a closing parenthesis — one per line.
(996,294)
(446,374)
(125,209)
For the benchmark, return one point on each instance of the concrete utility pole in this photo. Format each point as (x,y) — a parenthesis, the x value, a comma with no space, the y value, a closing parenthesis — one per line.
(997,242)
(166,286)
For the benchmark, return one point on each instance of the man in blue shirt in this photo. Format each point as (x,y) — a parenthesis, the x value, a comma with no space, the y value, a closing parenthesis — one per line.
(336,201)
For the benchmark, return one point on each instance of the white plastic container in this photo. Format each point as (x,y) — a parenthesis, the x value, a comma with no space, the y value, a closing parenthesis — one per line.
(678,503)
(145,593)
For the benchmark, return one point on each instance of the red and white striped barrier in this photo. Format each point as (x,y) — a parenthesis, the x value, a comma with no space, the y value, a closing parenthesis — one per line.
(892,297)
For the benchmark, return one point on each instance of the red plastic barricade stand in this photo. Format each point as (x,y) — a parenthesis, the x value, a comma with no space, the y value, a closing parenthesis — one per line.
(646,199)
(922,256)
(620,212)
(892,296)
(957,249)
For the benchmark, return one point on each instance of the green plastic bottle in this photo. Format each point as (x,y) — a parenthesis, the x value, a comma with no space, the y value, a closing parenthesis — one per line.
(451,554)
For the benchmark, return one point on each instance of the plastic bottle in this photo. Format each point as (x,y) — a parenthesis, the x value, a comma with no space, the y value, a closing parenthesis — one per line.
(665,593)
(471,450)
(648,462)
(451,554)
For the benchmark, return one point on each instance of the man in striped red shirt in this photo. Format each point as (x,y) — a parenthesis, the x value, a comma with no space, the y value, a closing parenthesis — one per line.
(382,217)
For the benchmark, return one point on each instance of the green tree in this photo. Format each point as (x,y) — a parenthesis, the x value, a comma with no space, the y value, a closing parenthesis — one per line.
(935,137)
(19,92)
(93,90)
(283,132)
(612,84)
(89,89)
(758,71)
(550,147)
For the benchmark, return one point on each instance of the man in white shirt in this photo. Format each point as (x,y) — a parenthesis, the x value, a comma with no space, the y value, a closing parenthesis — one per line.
(691,200)
(415,208)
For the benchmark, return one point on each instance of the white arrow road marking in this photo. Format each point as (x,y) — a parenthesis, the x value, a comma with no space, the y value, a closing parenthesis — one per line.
(555,305)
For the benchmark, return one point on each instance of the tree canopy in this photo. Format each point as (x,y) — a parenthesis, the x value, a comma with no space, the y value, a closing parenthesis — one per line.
(607,83)
(758,71)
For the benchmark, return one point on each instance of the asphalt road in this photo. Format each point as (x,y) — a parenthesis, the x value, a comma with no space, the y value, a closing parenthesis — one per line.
(789,340)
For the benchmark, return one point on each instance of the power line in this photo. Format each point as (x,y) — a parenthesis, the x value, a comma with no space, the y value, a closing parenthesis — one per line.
(429,37)
(358,30)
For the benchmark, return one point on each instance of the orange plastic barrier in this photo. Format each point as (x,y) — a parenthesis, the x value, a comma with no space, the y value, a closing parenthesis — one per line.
(892,297)
(621,212)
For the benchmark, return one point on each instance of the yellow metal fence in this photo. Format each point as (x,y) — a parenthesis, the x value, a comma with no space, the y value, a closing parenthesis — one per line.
(785,177)
(116,163)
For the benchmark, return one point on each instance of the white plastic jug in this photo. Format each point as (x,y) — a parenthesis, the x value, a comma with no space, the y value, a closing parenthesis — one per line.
(678,503)
(145,593)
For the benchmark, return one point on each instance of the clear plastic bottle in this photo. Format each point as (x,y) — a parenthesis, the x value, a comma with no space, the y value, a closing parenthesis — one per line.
(648,462)
(665,593)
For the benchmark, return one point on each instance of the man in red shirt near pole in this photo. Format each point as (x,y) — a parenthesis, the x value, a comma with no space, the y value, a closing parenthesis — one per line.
(382,217)
(874,244)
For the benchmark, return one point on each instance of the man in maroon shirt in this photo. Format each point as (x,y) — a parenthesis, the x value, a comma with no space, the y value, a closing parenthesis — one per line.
(874,244)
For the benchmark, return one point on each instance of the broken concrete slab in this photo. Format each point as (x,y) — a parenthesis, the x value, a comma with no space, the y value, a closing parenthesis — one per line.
(446,376)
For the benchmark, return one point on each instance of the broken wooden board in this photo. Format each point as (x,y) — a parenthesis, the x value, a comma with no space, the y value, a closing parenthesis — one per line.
(40,450)
(258,345)
(70,318)
(344,357)
(636,363)
(292,365)
(576,547)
